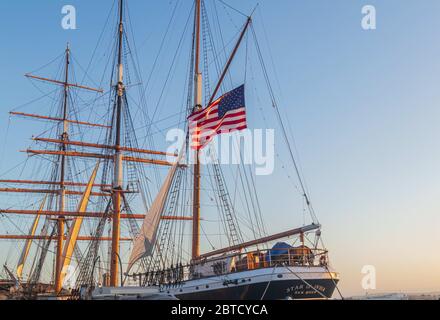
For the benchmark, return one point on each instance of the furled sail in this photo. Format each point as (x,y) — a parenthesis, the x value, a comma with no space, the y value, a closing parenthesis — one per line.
(144,242)
(76,225)
(28,243)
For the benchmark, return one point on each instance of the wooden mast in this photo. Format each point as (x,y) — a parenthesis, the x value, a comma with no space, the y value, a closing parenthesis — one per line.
(197,107)
(62,191)
(60,243)
(197,168)
(118,159)
(62,141)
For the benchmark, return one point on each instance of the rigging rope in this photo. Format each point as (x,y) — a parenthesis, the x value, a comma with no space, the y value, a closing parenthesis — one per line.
(268,284)
(281,122)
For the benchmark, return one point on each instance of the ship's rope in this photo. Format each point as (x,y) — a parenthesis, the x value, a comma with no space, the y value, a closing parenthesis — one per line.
(161,47)
(98,43)
(220,32)
(142,107)
(249,187)
(334,282)
(5,142)
(231,7)
(283,127)
(268,284)
(172,66)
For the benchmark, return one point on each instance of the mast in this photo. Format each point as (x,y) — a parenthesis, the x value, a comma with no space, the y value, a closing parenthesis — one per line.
(62,191)
(197,168)
(118,159)
(198,106)
(60,239)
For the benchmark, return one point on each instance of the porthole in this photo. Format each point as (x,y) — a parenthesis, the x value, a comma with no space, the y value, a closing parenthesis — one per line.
(280,276)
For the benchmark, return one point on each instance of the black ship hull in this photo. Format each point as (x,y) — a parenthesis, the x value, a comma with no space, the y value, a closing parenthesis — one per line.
(265,284)
(281,283)
(280,290)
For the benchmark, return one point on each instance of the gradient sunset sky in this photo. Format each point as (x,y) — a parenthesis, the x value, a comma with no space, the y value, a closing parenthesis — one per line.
(364,107)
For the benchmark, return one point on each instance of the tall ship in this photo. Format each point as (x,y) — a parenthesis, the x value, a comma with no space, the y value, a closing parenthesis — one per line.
(104,215)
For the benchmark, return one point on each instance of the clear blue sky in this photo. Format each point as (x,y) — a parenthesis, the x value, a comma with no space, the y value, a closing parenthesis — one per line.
(364,106)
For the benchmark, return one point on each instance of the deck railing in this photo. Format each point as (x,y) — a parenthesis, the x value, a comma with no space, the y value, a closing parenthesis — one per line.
(233,263)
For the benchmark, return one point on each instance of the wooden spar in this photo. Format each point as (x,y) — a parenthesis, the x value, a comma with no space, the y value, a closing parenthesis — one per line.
(53,183)
(118,172)
(36,116)
(61,222)
(69,214)
(96,215)
(69,154)
(35,238)
(11,276)
(261,241)
(198,82)
(63,83)
(74,230)
(27,246)
(48,191)
(231,58)
(174,218)
(100,156)
(149,161)
(102,146)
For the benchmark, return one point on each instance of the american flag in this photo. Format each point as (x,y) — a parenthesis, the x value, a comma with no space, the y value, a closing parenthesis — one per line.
(225,115)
